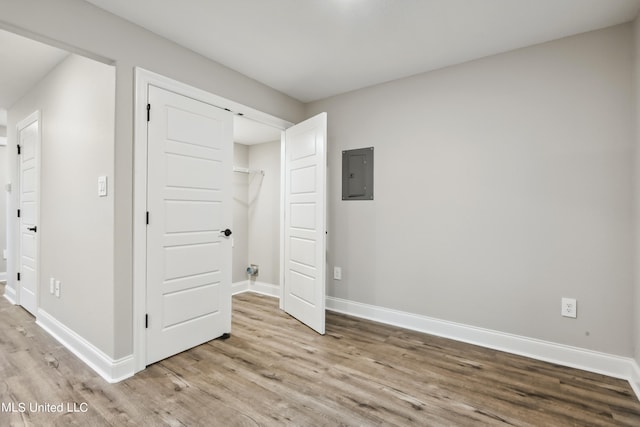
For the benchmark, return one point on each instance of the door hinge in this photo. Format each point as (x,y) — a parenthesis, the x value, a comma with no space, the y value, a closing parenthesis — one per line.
(18,213)
(18,276)
(148,112)
(146,321)
(147,217)
(19,149)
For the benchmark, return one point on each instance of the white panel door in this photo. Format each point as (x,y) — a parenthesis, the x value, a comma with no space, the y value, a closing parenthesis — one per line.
(29,141)
(188,197)
(305,221)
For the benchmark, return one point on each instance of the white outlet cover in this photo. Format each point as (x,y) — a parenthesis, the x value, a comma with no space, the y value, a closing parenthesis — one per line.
(569,307)
(337,273)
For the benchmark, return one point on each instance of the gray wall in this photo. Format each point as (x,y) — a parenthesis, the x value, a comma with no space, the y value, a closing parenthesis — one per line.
(83,28)
(77,105)
(256,214)
(240,214)
(636,111)
(501,185)
(264,211)
(4,178)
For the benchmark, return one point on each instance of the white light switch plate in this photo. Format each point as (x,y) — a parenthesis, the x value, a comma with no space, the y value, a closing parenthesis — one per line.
(102,186)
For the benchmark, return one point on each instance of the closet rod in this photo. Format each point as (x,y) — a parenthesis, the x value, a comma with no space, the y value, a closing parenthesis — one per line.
(248,171)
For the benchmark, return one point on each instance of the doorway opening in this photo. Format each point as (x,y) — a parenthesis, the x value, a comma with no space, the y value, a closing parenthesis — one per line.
(256,207)
(301,208)
(60,120)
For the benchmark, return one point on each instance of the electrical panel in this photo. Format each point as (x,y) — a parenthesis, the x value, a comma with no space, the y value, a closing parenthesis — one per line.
(357,174)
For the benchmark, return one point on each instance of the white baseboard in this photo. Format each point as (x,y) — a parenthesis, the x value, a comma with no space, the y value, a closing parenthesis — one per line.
(615,366)
(109,369)
(257,287)
(634,379)
(10,294)
(264,288)
(3,277)
(239,287)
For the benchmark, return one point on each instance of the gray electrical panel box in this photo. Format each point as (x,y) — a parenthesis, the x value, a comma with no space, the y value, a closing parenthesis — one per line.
(357,174)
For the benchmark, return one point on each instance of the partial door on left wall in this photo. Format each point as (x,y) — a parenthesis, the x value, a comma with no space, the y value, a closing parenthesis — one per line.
(29,207)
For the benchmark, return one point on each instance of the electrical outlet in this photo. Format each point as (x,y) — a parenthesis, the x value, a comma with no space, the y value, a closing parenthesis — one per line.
(57,290)
(337,273)
(569,307)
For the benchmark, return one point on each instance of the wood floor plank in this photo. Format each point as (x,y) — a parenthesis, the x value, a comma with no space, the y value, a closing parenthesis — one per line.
(275,371)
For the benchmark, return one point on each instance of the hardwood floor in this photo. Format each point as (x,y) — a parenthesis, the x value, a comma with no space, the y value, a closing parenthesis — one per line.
(275,371)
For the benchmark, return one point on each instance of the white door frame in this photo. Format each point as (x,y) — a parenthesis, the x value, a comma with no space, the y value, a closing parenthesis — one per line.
(22,124)
(144,78)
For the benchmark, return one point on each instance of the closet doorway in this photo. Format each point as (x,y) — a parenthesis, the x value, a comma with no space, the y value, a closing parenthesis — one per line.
(284,237)
(256,207)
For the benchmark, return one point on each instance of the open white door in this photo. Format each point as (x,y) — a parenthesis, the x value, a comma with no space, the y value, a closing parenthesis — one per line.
(188,198)
(29,152)
(305,163)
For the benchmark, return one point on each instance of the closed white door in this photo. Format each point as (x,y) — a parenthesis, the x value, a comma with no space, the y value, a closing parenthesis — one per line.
(188,197)
(305,221)
(29,149)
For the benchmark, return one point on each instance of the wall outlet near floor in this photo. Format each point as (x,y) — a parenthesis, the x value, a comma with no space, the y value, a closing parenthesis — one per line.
(57,289)
(337,273)
(569,307)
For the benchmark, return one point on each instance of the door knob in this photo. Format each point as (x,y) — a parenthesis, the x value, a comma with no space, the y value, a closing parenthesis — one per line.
(226,232)
(34,228)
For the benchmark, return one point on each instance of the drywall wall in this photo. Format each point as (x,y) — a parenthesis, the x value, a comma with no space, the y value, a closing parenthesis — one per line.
(501,185)
(636,119)
(264,211)
(240,214)
(4,179)
(76,101)
(83,28)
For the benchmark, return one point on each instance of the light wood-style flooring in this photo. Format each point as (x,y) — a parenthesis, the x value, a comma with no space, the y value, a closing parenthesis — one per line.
(274,371)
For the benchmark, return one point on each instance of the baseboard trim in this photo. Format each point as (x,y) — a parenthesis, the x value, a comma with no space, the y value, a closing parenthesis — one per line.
(256,287)
(239,287)
(111,370)
(634,379)
(264,288)
(10,294)
(615,366)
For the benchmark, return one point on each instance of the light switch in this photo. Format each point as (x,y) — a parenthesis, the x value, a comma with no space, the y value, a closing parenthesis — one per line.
(102,186)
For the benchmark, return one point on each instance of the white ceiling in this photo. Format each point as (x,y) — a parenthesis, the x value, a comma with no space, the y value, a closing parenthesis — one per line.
(249,132)
(24,63)
(312,49)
